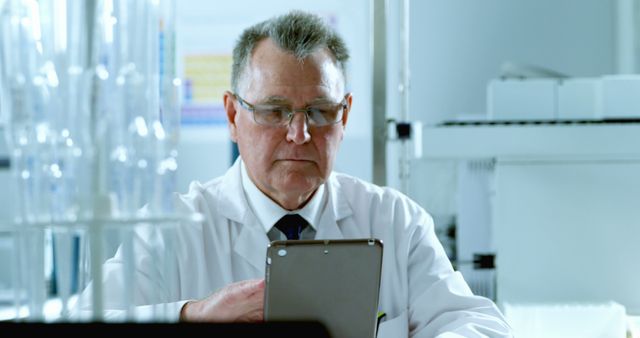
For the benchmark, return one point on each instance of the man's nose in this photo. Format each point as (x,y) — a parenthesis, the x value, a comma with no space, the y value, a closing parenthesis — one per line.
(298,128)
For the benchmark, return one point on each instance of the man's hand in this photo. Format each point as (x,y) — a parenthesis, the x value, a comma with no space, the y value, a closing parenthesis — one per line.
(238,302)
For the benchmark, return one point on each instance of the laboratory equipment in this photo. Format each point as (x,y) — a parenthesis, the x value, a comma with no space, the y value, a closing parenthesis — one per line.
(583,320)
(89,96)
(620,96)
(522,99)
(580,99)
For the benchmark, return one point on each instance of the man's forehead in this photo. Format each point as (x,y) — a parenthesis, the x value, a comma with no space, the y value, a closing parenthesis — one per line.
(278,99)
(269,64)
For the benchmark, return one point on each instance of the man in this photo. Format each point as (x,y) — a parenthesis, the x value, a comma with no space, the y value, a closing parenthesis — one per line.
(287,112)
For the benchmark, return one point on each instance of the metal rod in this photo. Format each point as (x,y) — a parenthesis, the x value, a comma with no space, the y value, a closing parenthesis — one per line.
(379,44)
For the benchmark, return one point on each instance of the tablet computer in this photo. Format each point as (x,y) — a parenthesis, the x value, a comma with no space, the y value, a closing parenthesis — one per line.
(335,282)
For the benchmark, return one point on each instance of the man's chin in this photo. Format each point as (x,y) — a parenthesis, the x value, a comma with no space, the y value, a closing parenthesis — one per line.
(300,182)
(297,170)
(295,164)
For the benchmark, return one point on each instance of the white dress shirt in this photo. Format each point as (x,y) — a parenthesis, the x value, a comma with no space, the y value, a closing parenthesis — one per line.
(269,212)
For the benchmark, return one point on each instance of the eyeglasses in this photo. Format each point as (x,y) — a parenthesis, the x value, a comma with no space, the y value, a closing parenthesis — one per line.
(275,115)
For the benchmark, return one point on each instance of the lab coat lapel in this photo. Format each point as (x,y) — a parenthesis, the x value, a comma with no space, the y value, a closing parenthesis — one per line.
(232,203)
(337,209)
(251,243)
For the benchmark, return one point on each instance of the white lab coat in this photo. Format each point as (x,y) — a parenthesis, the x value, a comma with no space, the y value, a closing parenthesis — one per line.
(420,293)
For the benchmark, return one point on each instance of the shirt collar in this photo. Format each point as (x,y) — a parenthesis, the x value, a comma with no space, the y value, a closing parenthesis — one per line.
(269,212)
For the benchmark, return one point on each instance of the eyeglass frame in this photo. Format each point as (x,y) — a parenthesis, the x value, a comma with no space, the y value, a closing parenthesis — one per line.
(291,112)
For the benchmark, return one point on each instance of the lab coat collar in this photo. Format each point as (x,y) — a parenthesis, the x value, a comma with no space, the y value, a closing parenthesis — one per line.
(232,202)
(337,209)
(252,241)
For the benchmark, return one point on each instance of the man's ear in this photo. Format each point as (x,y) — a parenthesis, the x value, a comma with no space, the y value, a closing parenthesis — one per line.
(345,117)
(230,108)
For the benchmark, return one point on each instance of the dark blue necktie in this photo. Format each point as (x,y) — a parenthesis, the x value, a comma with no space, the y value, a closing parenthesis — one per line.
(291,225)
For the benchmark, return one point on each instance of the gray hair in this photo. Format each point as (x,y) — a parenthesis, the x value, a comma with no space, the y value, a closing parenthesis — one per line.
(296,32)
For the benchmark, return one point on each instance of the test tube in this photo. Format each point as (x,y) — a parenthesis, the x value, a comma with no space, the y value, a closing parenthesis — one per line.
(93,119)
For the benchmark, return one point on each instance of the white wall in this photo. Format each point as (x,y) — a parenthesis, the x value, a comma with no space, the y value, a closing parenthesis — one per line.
(213,26)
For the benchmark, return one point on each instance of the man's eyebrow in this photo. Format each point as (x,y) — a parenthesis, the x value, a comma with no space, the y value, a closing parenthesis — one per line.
(320,100)
(276,100)
(280,100)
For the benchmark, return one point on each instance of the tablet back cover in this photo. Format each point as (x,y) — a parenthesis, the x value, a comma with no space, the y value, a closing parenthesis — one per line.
(336,282)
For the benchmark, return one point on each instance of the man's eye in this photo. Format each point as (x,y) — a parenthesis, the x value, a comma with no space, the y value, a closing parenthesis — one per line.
(279,110)
(319,110)
(270,110)
(270,115)
(326,111)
